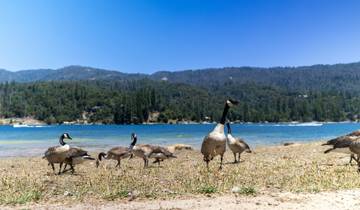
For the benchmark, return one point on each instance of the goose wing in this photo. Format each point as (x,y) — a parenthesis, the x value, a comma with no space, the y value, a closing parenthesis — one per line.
(355,146)
(76,152)
(334,141)
(163,150)
(119,151)
(56,150)
(241,142)
(344,142)
(355,133)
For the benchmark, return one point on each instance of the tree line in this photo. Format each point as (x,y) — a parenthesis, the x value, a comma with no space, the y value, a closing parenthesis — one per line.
(136,101)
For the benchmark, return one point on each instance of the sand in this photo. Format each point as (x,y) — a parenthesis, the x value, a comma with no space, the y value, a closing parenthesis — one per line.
(348,199)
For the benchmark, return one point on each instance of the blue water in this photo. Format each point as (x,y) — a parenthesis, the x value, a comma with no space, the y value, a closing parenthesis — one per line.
(33,141)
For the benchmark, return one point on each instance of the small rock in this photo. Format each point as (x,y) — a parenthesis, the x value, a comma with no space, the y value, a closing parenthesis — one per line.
(236,190)
(288,143)
(168,191)
(67,193)
(132,195)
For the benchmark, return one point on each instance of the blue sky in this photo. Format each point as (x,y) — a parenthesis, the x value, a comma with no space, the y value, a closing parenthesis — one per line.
(147,36)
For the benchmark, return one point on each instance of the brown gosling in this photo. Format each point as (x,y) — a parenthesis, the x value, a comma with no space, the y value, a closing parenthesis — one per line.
(236,145)
(58,154)
(118,153)
(146,151)
(214,143)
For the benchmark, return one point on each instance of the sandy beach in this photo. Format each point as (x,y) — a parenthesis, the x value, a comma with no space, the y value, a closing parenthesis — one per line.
(298,176)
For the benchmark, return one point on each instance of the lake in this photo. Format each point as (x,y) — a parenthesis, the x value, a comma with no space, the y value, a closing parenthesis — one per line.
(34,140)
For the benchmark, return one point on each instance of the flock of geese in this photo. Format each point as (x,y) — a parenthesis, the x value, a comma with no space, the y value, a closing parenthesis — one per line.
(213,145)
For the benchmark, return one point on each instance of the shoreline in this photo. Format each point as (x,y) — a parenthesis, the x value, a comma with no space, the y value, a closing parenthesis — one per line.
(30,121)
(294,169)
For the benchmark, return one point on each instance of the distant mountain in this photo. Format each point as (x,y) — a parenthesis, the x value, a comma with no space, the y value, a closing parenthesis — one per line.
(69,73)
(316,77)
(343,77)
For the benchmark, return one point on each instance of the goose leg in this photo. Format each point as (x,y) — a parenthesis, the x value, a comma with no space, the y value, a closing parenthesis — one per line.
(72,168)
(145,162)
(207,160)
(358,164)
(352,157)
(52,166)
(239,158)
(118,163)
(234,157)
(221,161)
(60,168)
(65,168)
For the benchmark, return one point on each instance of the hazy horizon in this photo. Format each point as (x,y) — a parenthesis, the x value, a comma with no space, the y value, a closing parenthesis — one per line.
(177,70)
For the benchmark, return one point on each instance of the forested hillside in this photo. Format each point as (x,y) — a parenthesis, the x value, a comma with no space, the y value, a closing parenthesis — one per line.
(83,94)
(339,77)
(134,102)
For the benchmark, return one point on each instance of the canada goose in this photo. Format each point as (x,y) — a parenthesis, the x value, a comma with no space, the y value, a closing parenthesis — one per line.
(76,156)
(355,148)
(118,153)
(146,151)
(349,145)
(160,154)
(236,145)
(215,142)
(341,144)
(58,154)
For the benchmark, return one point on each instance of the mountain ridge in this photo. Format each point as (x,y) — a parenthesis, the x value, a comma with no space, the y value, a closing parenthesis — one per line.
(303,78)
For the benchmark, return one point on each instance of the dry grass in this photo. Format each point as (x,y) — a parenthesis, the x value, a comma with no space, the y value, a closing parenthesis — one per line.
(296,168)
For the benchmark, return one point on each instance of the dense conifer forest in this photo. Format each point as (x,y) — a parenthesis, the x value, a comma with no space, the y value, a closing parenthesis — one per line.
(145,100)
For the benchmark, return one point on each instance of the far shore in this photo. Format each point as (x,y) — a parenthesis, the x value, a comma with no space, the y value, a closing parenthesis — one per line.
(284,176)
(30,121)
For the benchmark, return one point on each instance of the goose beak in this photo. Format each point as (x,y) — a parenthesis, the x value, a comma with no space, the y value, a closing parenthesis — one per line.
(234,102)
(231,102)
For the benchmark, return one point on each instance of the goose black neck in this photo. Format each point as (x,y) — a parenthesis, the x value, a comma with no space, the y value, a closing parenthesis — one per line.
(228,127)
(225,112)
(101,155)
(61,141)
(133,142)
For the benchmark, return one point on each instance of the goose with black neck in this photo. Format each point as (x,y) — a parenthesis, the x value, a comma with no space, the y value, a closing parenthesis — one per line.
(214,143)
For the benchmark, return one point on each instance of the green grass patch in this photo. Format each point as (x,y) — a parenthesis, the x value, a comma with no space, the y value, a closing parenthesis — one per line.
(117,194)
(247,190)
(23,198)
(207,189)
